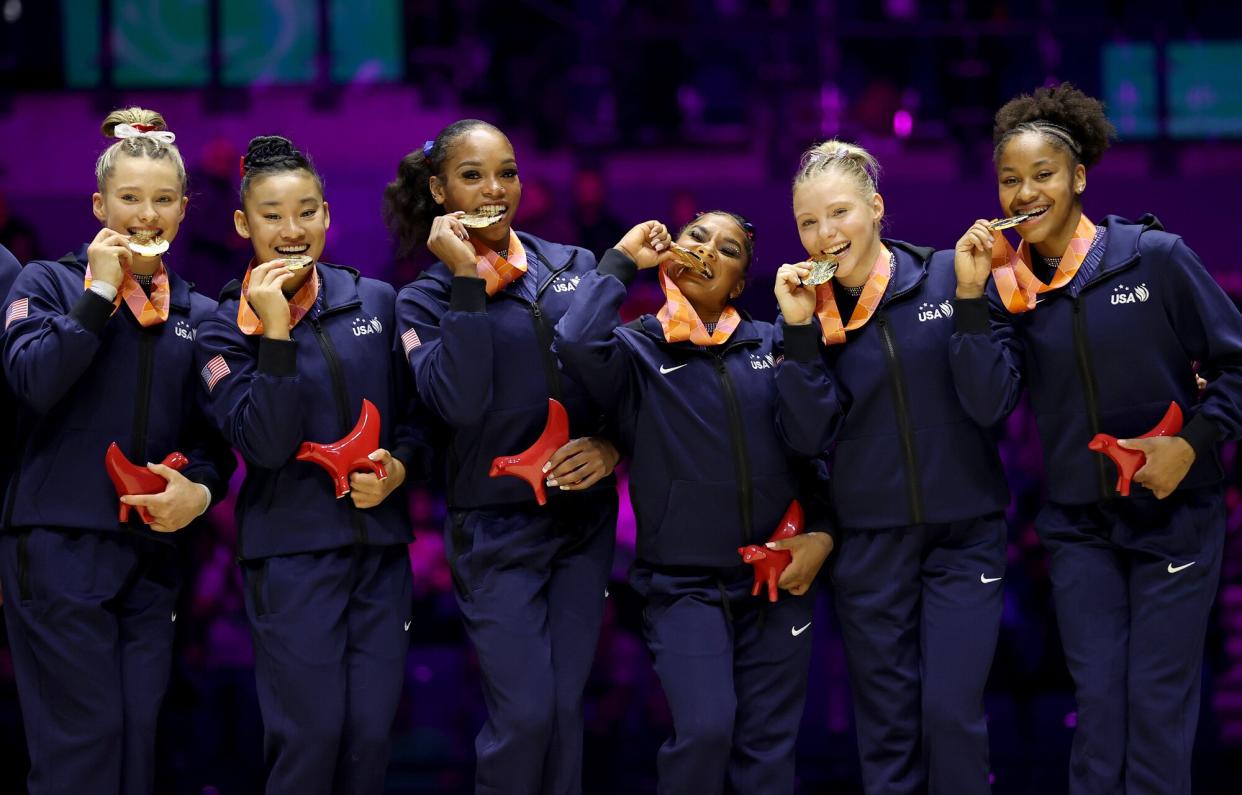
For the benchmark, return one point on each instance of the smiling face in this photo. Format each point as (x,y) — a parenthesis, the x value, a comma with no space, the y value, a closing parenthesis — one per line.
(285,215)
(718,241)
(1036,175)
(142,196)
(835,217)
(480,176)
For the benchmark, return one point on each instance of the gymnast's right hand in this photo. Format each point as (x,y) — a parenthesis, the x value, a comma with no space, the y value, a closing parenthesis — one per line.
(450,242)
(972,259)
(266,297)
(107,254)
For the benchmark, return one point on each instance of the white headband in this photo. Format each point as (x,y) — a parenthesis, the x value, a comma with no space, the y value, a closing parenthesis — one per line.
(130,131)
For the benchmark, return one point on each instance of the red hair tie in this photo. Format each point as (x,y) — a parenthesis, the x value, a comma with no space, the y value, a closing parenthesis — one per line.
(145,128)
(241,166)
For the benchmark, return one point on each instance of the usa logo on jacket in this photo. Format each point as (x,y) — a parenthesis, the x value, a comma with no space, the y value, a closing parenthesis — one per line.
(362,326)
(762,361)
(934,311)
(566,284)
(1124,295)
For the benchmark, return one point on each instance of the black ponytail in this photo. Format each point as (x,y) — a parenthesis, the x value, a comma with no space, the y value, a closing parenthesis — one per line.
(409,208)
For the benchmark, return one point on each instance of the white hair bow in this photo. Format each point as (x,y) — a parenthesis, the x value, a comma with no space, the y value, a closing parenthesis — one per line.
(130,131)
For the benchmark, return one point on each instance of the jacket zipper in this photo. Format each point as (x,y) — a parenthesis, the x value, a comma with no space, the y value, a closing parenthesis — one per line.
(740,458)
(342,396)
(146,356)
(903,417)
(1088,384)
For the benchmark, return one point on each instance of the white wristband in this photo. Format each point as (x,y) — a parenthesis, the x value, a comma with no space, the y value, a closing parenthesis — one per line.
(208,505)
(104,290)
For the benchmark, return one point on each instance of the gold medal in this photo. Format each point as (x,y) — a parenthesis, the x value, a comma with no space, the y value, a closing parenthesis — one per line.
(821,270)
(688,259)
(296,262)
(145,243)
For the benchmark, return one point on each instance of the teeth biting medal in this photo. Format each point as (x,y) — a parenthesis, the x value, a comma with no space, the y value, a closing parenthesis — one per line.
(1012,221)
(689,259)
(296,262)
(482,217)
(147,243)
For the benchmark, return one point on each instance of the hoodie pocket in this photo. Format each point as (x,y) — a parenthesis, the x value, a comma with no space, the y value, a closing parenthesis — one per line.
(702,523)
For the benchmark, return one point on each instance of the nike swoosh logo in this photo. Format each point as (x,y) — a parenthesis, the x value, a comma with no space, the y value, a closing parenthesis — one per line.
(796,632)
(174,616)
(666,370)
(605,593)
(1175,569)
(407,626)
(983,578)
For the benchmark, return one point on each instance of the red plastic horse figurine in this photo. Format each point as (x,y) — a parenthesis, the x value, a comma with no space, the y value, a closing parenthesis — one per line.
(348,455)
(1131,461)
(769,563)
(528,464)
(129,479)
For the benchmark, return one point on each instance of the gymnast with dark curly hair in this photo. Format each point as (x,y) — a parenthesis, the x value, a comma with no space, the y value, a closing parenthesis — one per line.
(1104,322)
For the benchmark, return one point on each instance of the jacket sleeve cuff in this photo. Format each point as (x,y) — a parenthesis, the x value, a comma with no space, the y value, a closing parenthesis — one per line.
(971,315)
(205,476)
(92,312)
(468,294)
(1202,433)
(617,263)
(801,342)
(278,357)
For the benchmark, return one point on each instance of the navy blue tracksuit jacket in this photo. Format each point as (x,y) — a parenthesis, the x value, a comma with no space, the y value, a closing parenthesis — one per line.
(712,465)
(276,394)
(485,367)
(1110,359)
(86,378)
(906,450)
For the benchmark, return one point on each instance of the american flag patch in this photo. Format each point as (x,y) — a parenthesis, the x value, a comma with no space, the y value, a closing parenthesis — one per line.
(16,311)
(213,371)
(410,341)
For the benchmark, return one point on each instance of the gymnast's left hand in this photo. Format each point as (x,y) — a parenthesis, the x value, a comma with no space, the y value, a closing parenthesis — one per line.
(181,502)
(581,463)
(809,551)
(645,243)
(366,490)
(1168,460)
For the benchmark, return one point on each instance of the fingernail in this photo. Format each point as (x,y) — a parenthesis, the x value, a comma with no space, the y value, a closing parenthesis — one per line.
(552,482)
(375,456)
(770,545)
(547,466)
